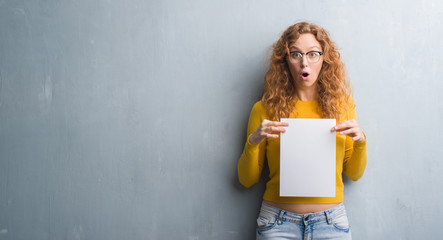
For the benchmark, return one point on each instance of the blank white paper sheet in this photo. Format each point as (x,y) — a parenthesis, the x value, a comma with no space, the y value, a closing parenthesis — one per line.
(307,158)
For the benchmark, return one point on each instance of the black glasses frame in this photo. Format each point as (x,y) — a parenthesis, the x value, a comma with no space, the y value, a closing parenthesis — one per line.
(306,53)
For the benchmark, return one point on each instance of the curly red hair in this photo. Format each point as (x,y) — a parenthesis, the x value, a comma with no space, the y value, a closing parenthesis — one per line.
(334,90)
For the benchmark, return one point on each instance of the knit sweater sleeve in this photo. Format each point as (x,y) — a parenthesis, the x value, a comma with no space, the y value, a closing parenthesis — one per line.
(251,162)
(355,153)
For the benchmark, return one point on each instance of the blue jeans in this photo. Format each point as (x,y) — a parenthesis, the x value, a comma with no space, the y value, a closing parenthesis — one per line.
(274,223)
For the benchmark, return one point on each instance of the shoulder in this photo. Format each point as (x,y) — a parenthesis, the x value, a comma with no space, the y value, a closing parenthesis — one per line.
(259,110)
(258,106)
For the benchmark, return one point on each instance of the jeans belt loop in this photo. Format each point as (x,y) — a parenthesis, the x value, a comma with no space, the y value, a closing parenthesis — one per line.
(280,217)
(328,217)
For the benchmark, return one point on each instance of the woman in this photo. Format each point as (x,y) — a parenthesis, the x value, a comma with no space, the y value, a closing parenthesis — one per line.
(306,79)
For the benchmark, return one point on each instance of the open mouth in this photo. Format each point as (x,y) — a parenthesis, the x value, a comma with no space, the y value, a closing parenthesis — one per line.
(304,75)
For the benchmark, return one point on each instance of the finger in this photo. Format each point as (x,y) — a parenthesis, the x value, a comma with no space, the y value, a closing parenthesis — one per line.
(343,125)
(271,136)
(351,131)
(280,124)
(278,129)
(275,130)
(276,124)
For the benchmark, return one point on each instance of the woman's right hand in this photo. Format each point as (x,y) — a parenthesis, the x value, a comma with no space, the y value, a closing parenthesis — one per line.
(267,129)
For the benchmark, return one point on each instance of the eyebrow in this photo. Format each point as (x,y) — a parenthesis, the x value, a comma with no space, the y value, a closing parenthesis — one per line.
(298,49)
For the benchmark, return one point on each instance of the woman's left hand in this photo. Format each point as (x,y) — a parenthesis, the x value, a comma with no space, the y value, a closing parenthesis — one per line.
(351,129)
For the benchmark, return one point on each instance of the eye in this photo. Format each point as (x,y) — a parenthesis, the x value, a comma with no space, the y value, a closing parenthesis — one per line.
(296,55)
(313,54)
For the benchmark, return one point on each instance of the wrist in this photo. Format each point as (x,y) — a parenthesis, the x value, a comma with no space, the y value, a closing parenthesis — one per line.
(363,138)
(252,140)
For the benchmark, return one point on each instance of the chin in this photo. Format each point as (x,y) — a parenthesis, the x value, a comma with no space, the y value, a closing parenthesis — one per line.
(306,83)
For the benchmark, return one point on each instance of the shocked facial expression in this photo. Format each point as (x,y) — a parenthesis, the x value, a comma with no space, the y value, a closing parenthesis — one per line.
(305,61)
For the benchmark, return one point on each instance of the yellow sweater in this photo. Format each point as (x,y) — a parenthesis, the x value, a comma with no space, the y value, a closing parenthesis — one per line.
(350,156)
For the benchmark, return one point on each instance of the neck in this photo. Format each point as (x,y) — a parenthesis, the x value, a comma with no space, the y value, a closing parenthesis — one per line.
(307,94)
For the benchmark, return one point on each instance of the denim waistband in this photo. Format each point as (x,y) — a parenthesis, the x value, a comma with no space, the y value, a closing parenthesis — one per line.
(313,217)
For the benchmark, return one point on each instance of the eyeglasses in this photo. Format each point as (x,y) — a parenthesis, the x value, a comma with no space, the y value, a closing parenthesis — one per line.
(312,56)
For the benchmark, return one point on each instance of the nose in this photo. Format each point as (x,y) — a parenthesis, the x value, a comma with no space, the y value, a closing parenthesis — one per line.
(304,60)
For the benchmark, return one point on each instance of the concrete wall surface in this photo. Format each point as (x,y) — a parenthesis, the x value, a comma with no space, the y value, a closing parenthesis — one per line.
(126,119)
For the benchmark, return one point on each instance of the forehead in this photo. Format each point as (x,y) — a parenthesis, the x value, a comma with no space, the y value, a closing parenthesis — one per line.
(305,41)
